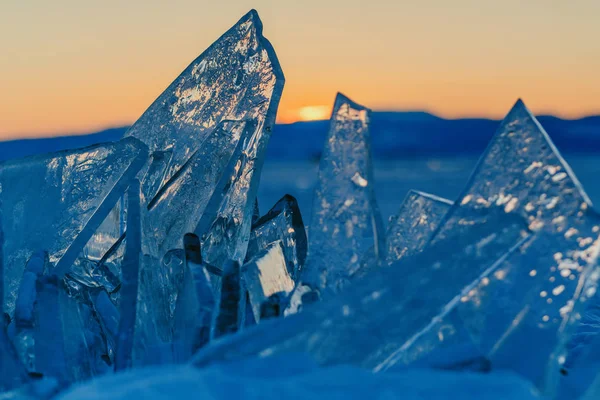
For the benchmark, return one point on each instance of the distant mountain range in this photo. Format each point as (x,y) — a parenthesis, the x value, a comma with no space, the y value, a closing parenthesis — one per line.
(393,134)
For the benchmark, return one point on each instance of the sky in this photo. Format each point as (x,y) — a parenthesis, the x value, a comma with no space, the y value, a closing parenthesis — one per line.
(72,66)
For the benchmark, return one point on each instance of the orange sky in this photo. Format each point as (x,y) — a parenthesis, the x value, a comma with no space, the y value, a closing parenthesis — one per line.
(72,66)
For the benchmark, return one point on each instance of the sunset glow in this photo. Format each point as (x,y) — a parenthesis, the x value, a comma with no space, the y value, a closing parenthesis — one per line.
(74,67)
(314,113)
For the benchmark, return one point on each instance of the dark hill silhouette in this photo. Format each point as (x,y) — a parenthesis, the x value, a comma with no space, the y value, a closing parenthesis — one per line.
(394,135)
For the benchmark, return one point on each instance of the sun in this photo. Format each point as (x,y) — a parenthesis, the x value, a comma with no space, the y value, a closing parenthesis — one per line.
(313,113)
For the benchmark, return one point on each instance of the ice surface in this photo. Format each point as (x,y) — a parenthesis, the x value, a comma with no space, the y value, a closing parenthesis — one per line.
(295,377)
(211,180)
(267,275)
(231,309)
(282,222)
(54,202)
(408,231)
(345,221)
(129,280)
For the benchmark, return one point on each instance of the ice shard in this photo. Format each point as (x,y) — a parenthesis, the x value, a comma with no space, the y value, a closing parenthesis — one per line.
(24,318)
(195,303)
(267,275)
(182,200)
(12,371)
(216,119)
(408,231)
(231,308)
(517,313)
(130,280)
(255,212)
(376,316)
(521,238)
(346,220)
(157,171)
(108,316)
(85,349)
(94,274)
(593,391)
(49,344)
(56,201)
(282,222)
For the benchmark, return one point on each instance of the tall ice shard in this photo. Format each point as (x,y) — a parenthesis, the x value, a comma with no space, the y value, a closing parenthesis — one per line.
(215,119)
(346,220)
(55,202)
(130,281)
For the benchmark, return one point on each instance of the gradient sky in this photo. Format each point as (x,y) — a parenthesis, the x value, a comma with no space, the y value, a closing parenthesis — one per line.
(72,66)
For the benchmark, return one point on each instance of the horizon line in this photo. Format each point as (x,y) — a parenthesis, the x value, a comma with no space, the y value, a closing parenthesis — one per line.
(12,136)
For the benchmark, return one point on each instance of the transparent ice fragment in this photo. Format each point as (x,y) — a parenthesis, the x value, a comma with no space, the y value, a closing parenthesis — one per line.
(157,171)
(181,202)
(517,313)
(282,222)
(224,228)
(12,372)
(50,357)
(376,316)
(346,220)
(129,280)
(195,303)
(211,182)
(255,212)
(237,78)
(24,318)
(593,392)
(231,308)
(408,231)
(266,275)
(106,235)
(94,274)
(55,202)
(108,314)
(85,347)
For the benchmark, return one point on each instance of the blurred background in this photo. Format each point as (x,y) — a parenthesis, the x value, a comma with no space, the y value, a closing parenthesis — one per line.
(439,76)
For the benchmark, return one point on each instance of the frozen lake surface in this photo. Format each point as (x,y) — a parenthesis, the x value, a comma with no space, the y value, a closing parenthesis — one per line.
(442,176)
